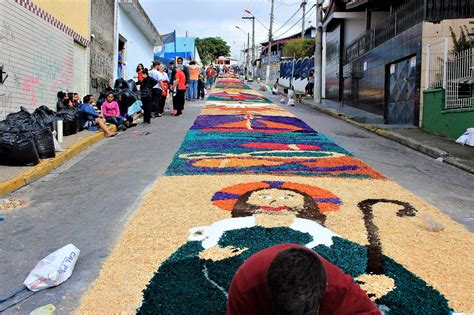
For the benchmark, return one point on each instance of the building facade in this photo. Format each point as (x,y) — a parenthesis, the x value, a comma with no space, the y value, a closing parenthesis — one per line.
(275,52)
(373,53)
(40,54)
(102,46)
(137,35)
(184,47)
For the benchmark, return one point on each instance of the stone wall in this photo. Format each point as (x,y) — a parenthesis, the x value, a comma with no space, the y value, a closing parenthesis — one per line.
(102,46)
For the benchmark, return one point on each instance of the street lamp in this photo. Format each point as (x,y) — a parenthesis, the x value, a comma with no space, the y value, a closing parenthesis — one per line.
(248,48)
(251,14)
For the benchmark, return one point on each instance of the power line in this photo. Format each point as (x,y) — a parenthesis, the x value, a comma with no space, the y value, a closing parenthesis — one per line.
(297,22)
(282,2)
(284,24)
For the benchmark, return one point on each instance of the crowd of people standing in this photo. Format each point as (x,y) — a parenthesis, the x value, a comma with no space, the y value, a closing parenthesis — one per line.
(178,82)
(158,86)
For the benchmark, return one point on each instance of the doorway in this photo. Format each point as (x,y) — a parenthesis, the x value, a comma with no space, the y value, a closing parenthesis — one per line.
(121,57)
(401,91)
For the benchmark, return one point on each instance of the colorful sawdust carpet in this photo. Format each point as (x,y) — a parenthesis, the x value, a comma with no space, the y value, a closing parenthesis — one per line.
(237,96)
(279,181)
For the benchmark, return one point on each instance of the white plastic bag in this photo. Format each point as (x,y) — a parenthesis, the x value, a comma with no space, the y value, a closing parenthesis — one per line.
(57,147)
(467,137)
(54,269)
(291,101)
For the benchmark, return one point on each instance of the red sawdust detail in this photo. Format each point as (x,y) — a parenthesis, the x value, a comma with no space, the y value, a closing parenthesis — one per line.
(363,169)
(275,125)
(236,162)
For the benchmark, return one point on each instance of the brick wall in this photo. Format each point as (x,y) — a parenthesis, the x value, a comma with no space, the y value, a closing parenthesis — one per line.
(36,55)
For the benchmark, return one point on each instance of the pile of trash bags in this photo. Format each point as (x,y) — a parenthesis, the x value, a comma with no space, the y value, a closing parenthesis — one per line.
(26,138)
(125,92)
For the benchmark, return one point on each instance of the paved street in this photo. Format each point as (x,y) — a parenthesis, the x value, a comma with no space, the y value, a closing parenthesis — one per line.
(88,201)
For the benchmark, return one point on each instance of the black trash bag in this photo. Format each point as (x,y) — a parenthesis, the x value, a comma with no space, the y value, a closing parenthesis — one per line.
(4,127)
(136,95)
(20,121)
(125,99)
(104,92)
(44,117)
(99,102)
(121,84)
(71,120)
(18,149)
(44,143)
(132,85)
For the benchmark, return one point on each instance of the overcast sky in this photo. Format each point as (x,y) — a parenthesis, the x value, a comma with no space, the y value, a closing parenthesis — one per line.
(209,18)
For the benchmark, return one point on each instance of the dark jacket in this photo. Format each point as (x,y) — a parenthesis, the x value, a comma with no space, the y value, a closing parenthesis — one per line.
(147,84)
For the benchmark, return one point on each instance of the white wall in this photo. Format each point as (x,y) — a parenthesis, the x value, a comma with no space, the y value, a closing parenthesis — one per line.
(80,70)
(323,66)
(36,56)
(353,27)
(138,49)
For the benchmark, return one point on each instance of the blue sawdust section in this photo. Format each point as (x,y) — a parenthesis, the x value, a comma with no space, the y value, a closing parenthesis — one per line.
(180,286)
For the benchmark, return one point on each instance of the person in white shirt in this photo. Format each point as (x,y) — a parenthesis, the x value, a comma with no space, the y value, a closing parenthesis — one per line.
(156,90)
(163,89)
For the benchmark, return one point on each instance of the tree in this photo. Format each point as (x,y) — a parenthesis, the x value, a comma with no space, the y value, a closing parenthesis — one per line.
(465,40)
(210,48)
(299,47)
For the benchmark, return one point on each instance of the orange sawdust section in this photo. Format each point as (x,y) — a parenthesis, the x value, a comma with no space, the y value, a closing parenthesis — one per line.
(224,110)
(243,162)
(443,259)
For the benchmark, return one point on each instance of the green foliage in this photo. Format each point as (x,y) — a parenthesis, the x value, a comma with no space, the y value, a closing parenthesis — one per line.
(299,48)
(465,40)
(210,48)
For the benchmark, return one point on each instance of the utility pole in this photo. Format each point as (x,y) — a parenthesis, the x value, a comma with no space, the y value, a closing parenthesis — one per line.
(303,5)
(317,56)
(248,53)
(253,42)
(269,50)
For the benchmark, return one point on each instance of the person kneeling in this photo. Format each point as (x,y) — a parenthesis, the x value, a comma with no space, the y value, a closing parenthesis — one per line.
(91,118)
(293,279)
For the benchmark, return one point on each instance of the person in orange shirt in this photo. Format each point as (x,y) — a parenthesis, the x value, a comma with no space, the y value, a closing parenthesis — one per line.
(193,80)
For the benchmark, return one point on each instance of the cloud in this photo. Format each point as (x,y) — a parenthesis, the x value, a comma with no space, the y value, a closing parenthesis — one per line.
(209,18)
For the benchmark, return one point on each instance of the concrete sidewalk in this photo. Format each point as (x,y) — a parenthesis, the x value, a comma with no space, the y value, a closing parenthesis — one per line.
(439,147)
(15,177)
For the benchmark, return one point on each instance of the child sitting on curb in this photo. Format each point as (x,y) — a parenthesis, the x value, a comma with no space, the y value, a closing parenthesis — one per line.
(111,112)
(90,118)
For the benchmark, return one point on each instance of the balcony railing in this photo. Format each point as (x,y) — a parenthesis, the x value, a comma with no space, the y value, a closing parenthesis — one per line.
(437,10)
(410,13)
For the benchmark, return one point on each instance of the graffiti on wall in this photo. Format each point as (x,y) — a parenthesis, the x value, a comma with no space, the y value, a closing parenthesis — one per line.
(32,73)
(101,69)
(301,68)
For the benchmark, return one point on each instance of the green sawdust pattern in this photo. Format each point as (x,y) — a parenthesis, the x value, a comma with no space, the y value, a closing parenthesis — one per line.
(180,286)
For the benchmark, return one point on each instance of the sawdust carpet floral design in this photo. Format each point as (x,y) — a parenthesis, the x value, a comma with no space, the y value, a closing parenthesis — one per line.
(250,175)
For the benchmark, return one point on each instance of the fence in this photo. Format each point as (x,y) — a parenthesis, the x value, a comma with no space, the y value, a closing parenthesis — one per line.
(406,15)
(437,10)
(460,80)
(436,58)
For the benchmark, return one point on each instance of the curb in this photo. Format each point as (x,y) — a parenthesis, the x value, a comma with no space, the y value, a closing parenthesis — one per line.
(413,144)
(47,165)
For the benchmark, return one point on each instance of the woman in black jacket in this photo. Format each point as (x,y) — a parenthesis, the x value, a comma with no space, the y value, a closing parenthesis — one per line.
(145,91)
